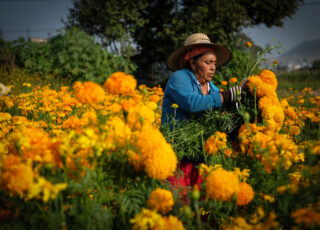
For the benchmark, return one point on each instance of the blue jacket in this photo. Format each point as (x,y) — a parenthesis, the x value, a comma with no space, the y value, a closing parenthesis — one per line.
(184,90)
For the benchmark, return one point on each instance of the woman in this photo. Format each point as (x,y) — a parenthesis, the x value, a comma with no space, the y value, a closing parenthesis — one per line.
(190,87)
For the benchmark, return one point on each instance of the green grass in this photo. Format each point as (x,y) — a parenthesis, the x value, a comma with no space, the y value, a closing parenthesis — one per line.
(297,80)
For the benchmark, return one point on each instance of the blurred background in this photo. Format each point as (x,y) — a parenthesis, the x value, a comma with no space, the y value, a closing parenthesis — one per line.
(144,33)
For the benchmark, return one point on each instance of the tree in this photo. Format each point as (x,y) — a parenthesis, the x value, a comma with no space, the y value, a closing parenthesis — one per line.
(316,65)
(157,27)
(113,21)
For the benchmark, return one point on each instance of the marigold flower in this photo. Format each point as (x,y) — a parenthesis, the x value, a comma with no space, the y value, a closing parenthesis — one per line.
(5,117)
(248,44)
(45,189)
(245,194)
(275,63)
(119,83)
(267,101)
(233,80)
(89,92)
(222,185)
(161,200)
(174,106)
(294,131)
(16,176)
(154,98)
(216,142)
(155,151)
(269,77)
(139,114)
(147,219)
(173,223)
(224,83)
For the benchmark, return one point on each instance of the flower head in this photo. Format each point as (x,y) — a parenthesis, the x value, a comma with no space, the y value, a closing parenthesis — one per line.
(161,200)
(245,194)
(222,185)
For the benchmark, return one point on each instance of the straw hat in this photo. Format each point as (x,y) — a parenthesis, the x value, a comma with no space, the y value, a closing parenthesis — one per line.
(198,39)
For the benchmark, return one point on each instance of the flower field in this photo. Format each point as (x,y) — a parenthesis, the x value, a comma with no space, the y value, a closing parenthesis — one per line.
(90,156)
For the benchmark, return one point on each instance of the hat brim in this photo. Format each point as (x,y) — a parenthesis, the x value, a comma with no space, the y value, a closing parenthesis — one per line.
(223,55)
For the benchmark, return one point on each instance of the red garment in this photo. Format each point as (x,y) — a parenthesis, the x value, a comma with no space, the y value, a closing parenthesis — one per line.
(190,177)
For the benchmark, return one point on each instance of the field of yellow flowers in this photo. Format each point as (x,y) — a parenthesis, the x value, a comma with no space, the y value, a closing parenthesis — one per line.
(88,156)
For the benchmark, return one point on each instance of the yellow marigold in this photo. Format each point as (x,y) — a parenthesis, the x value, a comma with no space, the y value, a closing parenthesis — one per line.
(89,92)
(294,130)
(224,83)
(174,106)
(155,151)
(222,185)
(254,82)
(120,83)
(16,177)
(289,112)
(233,80)
(118,133)
(45,190)
(269,77)
(284,103)
(269,112)
(266,90)
(139,114)
(147,219)
(216,142)
(267,101)
(35,144)
(161,200)
(245,194)
(279,115)
(5,117)
(173,223)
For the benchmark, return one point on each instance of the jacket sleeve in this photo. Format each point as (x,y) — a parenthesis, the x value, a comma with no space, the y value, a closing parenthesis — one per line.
(180,89)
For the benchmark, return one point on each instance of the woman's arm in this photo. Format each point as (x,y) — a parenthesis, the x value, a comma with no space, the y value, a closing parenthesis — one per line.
(181,89)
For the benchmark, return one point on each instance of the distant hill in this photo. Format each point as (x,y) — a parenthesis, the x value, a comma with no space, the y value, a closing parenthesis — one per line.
(300,56)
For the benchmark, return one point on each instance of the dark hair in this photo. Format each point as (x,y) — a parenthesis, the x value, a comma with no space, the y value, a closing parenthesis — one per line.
(196,58)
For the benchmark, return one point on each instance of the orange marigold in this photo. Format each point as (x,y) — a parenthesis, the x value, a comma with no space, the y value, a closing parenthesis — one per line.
(155,151)
(269,77)
(161,200)
(89,92)
(222,185)
(173,223)
(120,83)
(16,176)
(224,83)
(233,80)
(245,194)
(218,141)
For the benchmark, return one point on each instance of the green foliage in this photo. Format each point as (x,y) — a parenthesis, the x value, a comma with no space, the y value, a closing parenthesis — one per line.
(112,21)
(298,80)
(157,35)
(316,65)
(71,54)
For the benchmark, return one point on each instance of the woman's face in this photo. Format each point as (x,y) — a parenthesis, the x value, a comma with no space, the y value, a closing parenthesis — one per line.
(205,67)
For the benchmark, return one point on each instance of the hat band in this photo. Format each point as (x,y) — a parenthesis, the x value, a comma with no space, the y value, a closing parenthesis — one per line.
(195,51)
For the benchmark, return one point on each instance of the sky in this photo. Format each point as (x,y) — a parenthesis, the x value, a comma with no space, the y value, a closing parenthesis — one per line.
(42,18)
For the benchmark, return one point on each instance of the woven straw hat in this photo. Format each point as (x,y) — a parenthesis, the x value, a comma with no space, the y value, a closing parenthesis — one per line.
(198,39)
